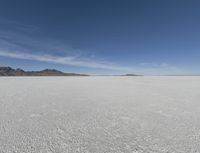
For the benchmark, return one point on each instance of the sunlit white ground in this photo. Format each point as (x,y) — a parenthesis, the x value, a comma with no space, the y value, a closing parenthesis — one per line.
(99,114)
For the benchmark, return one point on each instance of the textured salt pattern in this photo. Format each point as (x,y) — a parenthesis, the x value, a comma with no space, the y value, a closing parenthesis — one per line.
(99,114)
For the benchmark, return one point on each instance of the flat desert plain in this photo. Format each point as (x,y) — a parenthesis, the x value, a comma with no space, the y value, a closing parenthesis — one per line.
(100,114)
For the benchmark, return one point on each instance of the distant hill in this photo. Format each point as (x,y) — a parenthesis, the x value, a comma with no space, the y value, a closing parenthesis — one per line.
(8,71)
(132,75)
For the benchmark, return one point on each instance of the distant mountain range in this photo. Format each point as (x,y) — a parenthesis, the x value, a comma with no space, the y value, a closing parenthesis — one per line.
(8,71)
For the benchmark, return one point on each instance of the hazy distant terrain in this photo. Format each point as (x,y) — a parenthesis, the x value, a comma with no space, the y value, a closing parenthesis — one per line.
(8,71)
(99,114)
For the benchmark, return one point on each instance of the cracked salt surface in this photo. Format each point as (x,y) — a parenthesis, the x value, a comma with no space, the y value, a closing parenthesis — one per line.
(99,114)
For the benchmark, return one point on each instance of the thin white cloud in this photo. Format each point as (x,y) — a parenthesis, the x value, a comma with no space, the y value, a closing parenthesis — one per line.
(67,60)
(19,26)
(156,69)
(25,46)
(21,46)
(159,69)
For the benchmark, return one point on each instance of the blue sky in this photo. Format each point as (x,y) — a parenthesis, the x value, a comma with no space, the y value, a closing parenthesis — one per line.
(101,36)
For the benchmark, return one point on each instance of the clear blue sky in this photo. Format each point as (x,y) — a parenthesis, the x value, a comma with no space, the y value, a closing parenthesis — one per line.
(101,36)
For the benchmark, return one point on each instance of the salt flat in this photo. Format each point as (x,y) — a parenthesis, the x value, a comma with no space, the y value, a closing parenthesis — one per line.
(99,114)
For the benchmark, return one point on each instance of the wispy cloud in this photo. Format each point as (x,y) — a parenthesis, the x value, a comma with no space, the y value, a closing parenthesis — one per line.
(67,60)
(14,45)
(26,45)
(159,69)
(18,26)
(23,46)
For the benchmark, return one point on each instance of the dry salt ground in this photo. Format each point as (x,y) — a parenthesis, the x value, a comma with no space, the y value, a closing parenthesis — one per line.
(99,114)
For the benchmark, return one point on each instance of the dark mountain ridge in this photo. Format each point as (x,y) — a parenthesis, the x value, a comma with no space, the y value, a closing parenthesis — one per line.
(8,71)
